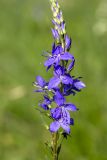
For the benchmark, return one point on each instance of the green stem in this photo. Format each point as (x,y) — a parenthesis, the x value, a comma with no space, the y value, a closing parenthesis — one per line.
(54,145)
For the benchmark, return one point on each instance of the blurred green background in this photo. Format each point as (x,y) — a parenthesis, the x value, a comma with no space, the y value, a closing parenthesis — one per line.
(24,35)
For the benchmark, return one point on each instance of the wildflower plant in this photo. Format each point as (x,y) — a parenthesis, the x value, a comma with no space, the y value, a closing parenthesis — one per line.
(61,85)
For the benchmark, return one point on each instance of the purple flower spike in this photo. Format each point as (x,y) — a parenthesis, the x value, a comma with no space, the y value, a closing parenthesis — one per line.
(62,83)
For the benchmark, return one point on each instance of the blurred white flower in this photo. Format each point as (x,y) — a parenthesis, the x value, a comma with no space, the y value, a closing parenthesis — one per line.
(100,26)
(17,92)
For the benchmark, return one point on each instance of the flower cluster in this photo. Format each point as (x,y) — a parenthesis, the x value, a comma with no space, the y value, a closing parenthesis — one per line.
(62,83)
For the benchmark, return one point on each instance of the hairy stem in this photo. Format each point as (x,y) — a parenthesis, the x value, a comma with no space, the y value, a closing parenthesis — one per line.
(54,145)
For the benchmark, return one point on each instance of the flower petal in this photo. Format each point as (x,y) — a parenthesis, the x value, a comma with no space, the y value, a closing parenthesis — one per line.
(54,126)
(59,99)
(66,127)
(47,100)
(66,79)
(53,48)
(44,106)
(54,82)
(59,70)
(57,60)
(65,116)
(66,56)
(49,62)
(70,107)
(67,42)
(56,113)
(79,85)
(71,121)
(39,90)
(71,65)
(40,81)
(58,50)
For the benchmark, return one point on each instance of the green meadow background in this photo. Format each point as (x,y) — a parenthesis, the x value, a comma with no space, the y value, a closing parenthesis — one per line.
(24,35)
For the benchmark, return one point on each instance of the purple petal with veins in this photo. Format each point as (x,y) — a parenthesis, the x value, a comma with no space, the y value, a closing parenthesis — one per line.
(70,107)
(66,79)
(54,126)
(49,62)
(54,82)
(67,56)
(59,98)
